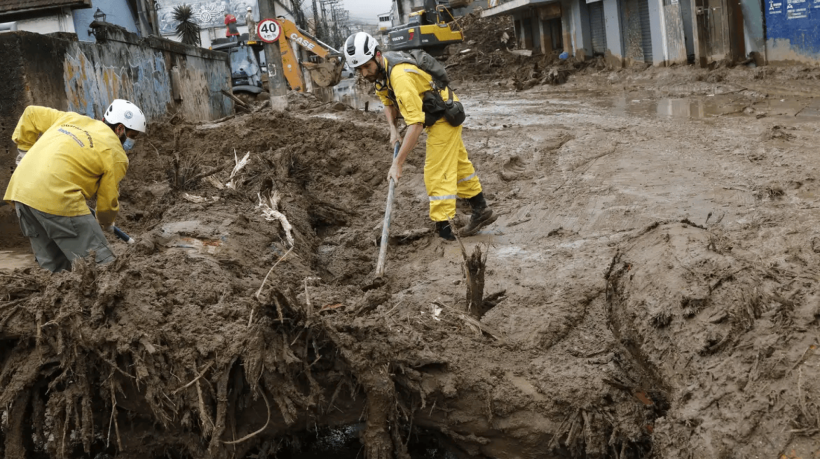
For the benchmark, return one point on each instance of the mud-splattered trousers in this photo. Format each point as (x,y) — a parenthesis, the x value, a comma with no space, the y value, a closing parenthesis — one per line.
(448,172)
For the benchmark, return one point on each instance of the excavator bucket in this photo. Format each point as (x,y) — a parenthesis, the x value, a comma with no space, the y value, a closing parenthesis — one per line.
(327,73)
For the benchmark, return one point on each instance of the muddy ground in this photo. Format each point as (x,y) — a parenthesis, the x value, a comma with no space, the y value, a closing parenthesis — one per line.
(657,251)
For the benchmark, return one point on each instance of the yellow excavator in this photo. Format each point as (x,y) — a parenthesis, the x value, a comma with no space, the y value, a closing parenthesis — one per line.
(327,72)
(247,77)
(431,29)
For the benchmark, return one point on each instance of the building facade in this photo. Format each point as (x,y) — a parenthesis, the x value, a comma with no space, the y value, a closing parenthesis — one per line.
(668,32)
(67,16)
(210,15)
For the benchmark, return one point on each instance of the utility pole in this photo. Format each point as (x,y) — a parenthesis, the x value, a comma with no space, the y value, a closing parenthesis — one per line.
(273,56)
(317,26)
(325,29)
(329,36)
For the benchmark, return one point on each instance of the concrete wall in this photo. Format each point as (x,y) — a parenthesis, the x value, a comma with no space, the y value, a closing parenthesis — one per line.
(567,26)
(85,77)
(582,36)
(116,12)
(674,40)
(793,32)
(658,30)
(56,22)
(614,42)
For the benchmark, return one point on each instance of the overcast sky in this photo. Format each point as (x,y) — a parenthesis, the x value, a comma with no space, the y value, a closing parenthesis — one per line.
(367,9)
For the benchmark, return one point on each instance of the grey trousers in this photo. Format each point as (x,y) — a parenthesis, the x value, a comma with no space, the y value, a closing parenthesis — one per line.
(57,241)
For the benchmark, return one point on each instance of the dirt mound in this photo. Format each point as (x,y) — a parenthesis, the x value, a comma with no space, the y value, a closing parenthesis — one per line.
(228,332)
(216,336)
(489,54)
(722,340)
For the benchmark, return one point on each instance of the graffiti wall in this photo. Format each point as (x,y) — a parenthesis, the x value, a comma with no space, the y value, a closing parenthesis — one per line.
(85,77)
(207,13)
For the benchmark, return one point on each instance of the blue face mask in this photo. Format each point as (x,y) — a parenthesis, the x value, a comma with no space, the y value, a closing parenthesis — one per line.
(128,144)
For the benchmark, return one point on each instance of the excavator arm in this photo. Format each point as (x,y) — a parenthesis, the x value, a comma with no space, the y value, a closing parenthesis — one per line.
(324,74)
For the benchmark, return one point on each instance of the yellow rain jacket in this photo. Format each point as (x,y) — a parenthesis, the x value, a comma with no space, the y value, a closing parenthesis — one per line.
(70,158)
(448,172)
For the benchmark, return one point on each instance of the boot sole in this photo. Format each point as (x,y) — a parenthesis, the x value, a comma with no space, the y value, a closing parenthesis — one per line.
(481,224)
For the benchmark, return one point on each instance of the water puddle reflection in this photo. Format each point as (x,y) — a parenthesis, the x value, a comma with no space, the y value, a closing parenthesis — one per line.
(713,106)
(679,108)
(11,259)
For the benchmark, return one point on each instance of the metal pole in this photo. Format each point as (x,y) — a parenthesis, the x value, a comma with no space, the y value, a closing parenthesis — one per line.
(273,56)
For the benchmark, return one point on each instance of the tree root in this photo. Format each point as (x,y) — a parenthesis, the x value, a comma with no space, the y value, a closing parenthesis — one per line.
(251,435)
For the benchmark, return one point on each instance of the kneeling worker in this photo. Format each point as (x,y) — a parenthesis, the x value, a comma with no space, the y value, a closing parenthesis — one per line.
(448,173)
(65,159)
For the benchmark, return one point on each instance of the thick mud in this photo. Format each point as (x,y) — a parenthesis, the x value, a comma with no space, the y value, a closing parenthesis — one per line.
(651,288)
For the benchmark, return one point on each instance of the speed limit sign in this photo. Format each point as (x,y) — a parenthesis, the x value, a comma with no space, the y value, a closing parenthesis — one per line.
(268,30)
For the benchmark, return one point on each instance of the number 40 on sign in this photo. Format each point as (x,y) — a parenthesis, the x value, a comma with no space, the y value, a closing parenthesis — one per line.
(268,30)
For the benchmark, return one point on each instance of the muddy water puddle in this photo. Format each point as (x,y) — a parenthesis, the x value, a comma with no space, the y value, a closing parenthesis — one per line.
(11,259)
(679,108)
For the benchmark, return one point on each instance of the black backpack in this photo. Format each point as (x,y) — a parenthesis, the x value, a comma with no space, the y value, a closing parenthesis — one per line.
(423,61)
(433,105)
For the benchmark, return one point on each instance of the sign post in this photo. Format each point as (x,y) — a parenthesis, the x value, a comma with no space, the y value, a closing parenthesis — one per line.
(273,56)
(268,30)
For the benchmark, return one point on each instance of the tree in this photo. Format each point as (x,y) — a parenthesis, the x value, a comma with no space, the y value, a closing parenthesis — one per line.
(187,29)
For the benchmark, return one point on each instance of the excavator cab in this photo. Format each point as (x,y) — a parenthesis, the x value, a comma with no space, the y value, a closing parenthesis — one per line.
(247,78)
(431,29)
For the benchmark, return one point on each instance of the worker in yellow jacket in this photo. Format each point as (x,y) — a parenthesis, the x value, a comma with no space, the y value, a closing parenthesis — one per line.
(65,159)
(448,172)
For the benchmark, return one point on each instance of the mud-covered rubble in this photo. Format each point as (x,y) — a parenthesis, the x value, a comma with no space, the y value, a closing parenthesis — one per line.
(624,329)
(489,54)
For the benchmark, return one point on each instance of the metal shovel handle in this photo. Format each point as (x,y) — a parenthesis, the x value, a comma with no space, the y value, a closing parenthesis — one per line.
(386,225)
(118,232)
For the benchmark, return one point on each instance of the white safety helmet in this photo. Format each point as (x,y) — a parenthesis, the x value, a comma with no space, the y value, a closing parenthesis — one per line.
(359,49)
(126,113)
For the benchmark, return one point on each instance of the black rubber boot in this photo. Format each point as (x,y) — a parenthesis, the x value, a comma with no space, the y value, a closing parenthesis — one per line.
(482,216)
(445,231)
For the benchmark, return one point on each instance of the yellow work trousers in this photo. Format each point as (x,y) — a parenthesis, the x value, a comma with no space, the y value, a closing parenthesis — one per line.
(448,173)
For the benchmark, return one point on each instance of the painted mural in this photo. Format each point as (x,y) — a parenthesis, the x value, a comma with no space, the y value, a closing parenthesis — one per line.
(95,75)
(207,13)
(91,86)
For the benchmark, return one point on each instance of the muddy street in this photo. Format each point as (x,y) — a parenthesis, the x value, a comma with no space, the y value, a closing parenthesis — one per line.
(651,286)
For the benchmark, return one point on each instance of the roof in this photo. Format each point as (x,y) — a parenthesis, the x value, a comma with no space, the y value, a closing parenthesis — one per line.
(24,6)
